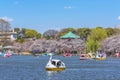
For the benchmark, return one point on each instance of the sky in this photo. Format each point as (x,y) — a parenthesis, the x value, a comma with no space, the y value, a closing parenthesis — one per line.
(42,15)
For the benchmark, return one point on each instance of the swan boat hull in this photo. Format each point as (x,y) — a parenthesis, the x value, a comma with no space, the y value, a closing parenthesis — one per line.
(55,65)
(55,69)
(100,58)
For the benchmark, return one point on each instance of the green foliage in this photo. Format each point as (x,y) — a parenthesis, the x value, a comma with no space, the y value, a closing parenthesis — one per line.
(32,33)
(92,45)
(38,35)
(47,37)
(99,27)
(24,30)
(17,29)
(50,34)
(20,40)
(116,31)
(64,31)
(96,35)
(110,31)
(83,32)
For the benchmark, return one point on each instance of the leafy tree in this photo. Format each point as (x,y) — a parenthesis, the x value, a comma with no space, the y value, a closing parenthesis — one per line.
(92,45)
(23,30)
(50,34)
(64,31)
(110,31)
(19,39)
(83,33)
(32,33)
(38,35)
(17,30)
(96,35)
(116,31)
(99,27)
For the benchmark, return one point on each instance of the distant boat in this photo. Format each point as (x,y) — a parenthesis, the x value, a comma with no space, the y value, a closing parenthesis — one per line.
(101,56)
(67,54)
(97,56)
(6,55)
(83,56)
(1,54)
(48,54)
(117,54)
(91,55)
(55,65)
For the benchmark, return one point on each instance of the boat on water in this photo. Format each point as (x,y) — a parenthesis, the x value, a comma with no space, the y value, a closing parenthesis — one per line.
(97,56)
(5,54)
(55,65)
(67,54)
(91,55)
(101,56)
(117,54)
(83,56)
(48,54)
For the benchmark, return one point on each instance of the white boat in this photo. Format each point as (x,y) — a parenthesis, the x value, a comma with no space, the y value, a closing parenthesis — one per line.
(83,56)
(101,56)
(55,65)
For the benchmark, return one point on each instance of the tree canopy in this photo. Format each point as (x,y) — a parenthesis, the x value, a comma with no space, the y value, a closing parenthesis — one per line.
(32,33)
(50,34)
(93,41)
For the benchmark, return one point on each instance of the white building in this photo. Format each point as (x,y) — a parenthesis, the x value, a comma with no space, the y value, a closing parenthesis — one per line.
(8,35)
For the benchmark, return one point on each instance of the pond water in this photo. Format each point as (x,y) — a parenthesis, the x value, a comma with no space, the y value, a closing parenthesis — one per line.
(33,68)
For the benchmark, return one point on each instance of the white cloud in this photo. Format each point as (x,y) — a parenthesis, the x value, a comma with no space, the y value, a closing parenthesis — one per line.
(118,17)
(68,7)
(6,18)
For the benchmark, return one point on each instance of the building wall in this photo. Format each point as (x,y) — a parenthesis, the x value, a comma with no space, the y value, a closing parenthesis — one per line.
(9,36)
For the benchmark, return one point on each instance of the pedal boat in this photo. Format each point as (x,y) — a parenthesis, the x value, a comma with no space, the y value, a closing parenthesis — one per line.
(55,65)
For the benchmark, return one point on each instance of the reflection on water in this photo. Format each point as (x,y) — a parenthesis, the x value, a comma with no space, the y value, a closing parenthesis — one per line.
(50,73)
(32,68)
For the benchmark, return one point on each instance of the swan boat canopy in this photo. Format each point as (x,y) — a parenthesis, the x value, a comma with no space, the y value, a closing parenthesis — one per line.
(55,65)
(101,56)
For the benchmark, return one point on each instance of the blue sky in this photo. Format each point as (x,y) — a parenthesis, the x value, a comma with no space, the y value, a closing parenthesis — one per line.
(42,15)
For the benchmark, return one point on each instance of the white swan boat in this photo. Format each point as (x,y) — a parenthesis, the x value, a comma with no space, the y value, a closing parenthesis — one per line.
(55,65)
(101,56)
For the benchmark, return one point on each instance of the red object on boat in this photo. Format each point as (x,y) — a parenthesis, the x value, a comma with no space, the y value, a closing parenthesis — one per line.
(7,55)
(83,56)
(67,54)
(117,55)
